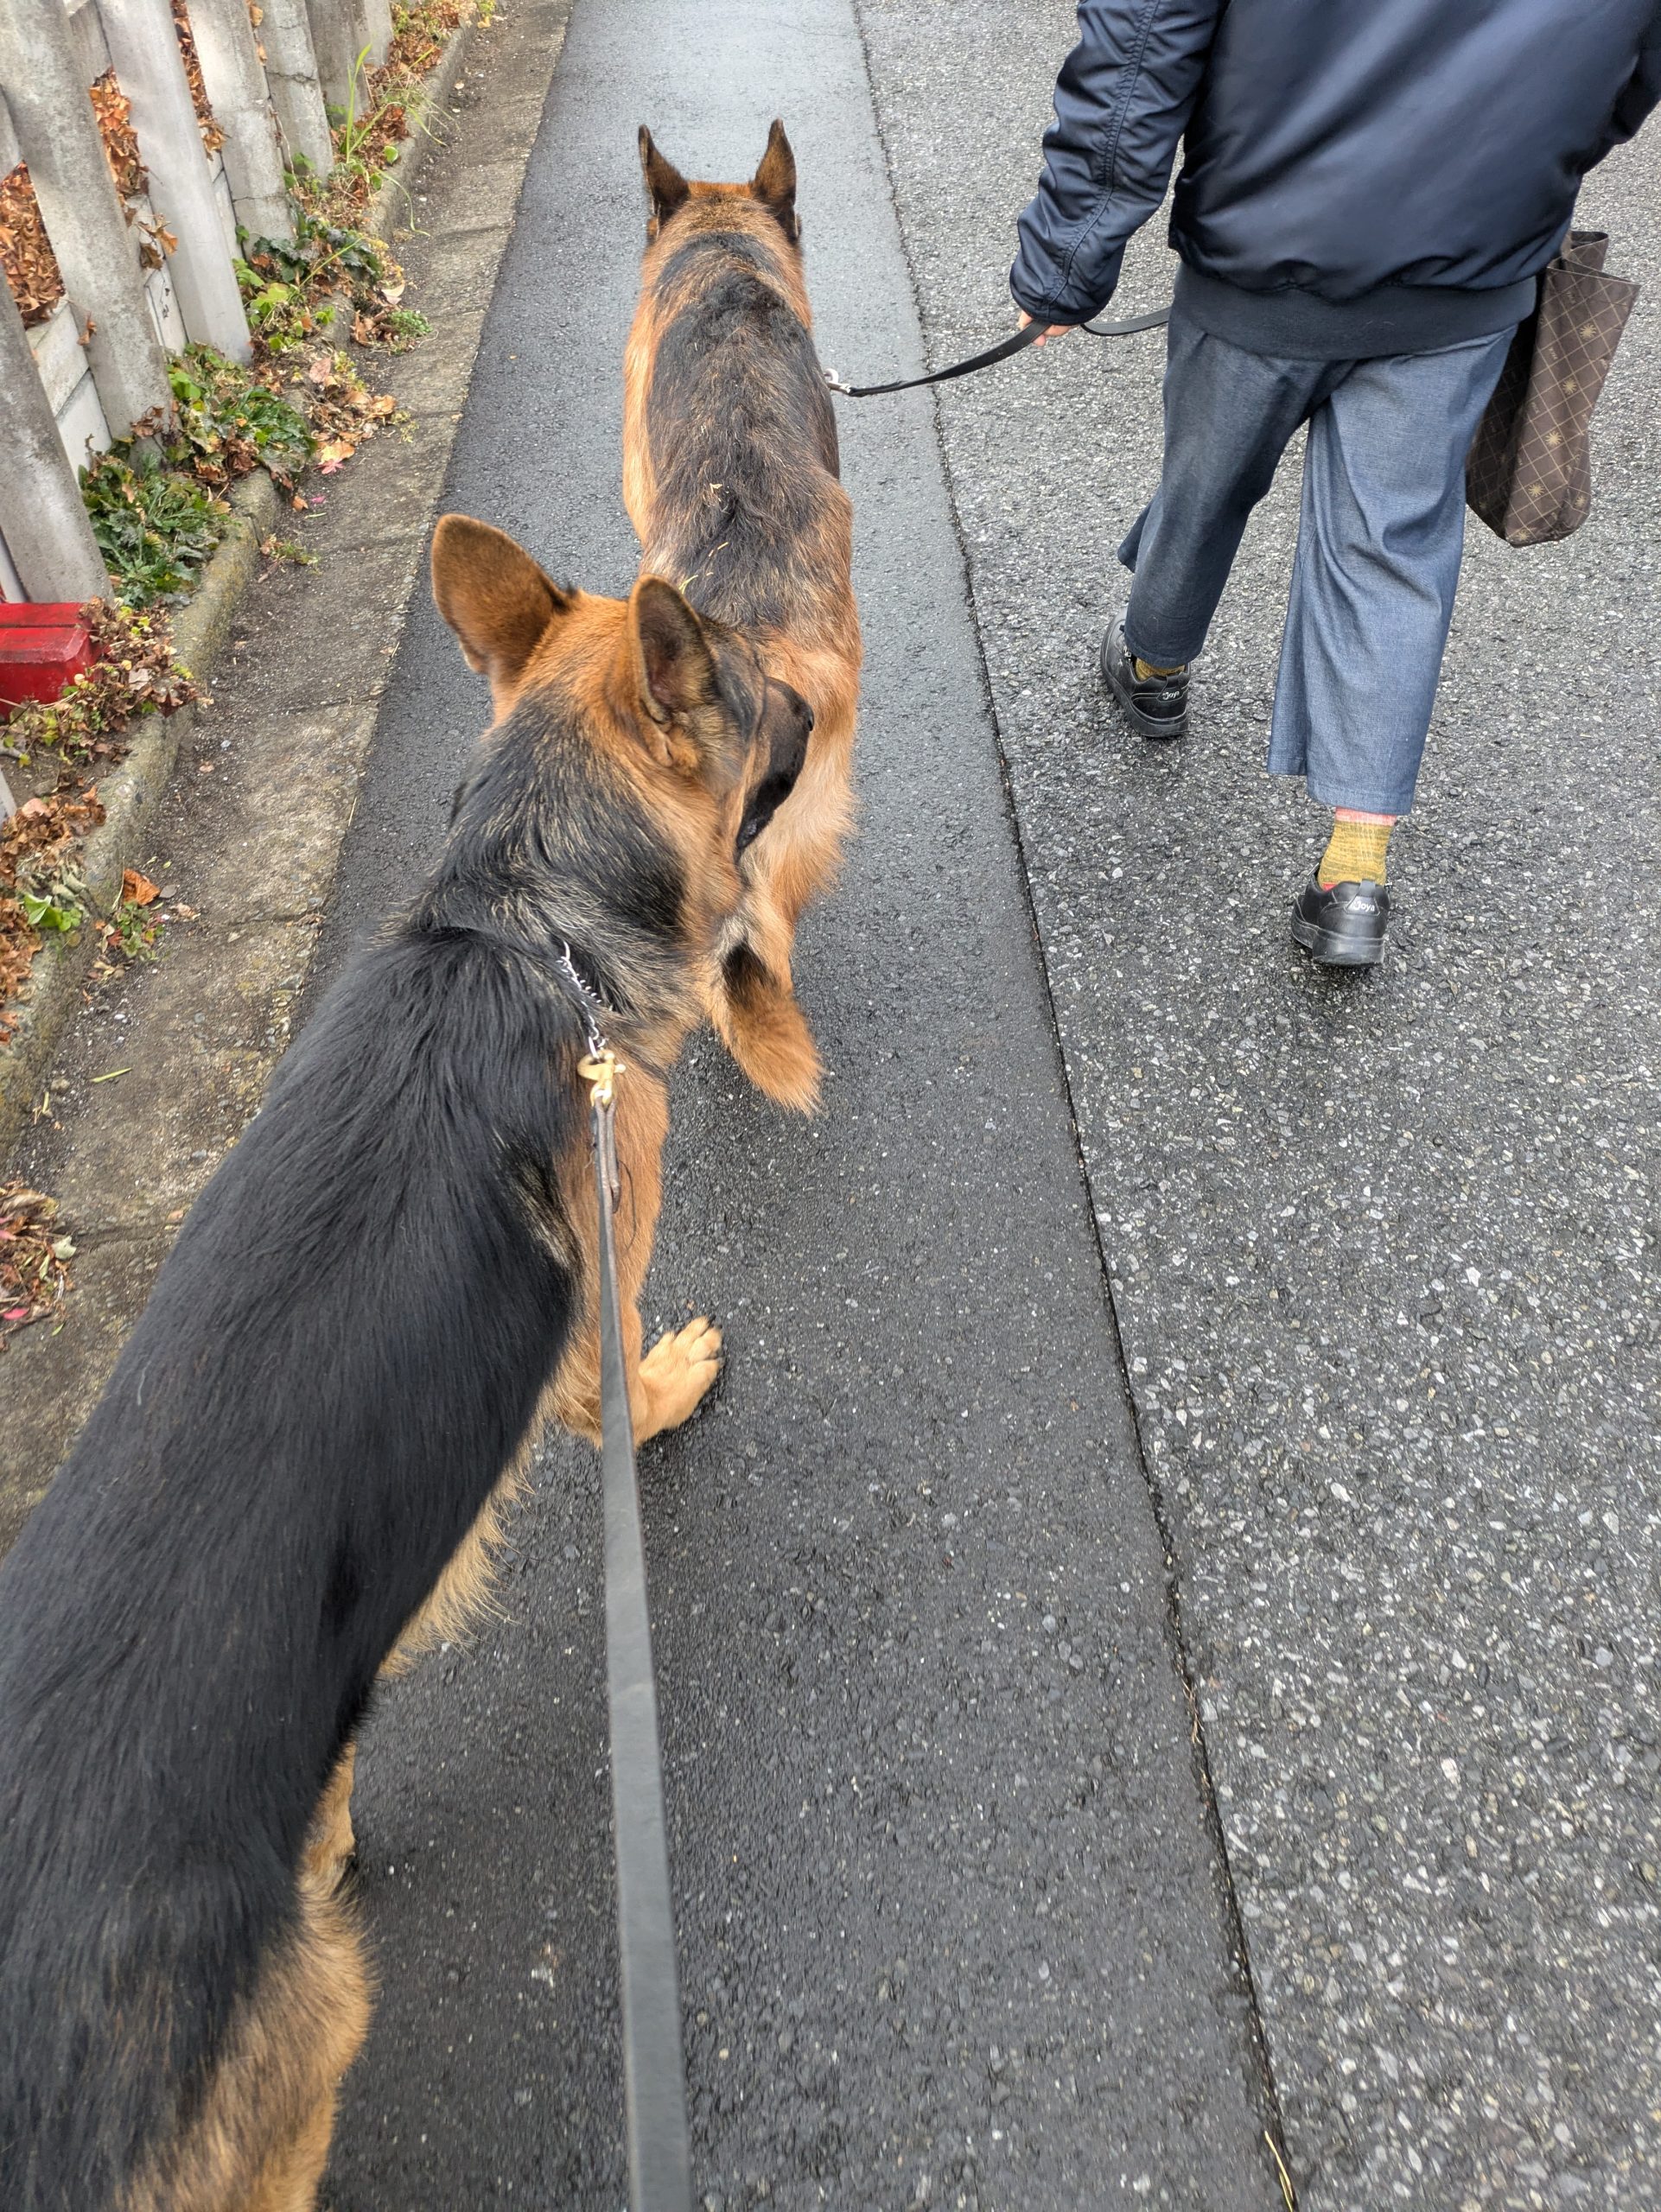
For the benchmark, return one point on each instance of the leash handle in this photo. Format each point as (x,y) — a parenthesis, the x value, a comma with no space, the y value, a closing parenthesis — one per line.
(654,2075)
(1151,320)
(1017,344)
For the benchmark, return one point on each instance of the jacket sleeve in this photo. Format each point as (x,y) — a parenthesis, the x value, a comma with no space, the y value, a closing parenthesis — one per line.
(1122,103)
(1642,93)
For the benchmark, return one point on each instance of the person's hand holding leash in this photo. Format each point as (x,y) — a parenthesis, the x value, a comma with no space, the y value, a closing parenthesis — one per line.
(1055,330)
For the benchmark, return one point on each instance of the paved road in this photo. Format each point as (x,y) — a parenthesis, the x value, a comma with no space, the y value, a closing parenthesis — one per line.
(954,1922)
(1383,1249)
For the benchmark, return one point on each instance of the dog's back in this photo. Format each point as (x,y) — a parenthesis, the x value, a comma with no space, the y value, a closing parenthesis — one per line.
(746,505)
(340,1358)
(731,479)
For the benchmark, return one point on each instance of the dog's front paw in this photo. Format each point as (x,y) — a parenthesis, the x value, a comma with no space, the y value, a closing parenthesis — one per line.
(678,1371)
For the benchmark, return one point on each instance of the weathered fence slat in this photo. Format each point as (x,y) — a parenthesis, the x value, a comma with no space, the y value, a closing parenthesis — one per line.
(58,135)
(296,92)
(242,107)
(331,41)
(345,33)
(150,69)
(47,535)
(372,27)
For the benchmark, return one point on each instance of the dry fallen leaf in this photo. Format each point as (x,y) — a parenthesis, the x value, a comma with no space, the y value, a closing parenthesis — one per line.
(137,889)
(34,1257)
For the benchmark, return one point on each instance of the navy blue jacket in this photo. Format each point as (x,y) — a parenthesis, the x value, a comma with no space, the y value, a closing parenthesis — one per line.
(1358,176)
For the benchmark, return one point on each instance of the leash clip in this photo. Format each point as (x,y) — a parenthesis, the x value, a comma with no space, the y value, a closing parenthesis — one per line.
(600,1069)
(835,383)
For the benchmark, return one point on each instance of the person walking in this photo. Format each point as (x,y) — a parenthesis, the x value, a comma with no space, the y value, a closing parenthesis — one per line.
(1369,192)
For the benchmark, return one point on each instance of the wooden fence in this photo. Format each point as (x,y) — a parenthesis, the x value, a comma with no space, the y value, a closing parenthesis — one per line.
(137,138)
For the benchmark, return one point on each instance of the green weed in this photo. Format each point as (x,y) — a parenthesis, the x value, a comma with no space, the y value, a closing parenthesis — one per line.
(133,931)
(289,549)
(155,526)
(54,910)
(403,326)
(225,423)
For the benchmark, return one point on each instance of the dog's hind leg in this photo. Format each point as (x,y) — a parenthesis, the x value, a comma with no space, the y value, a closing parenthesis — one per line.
(291,2179)
(258,2138)
(332,1844)
(328,2007)
(794,860)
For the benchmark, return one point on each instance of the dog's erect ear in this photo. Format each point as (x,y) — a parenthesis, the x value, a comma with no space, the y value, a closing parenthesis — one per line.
(493,596)
(674,669)
(774,182)
(665,188)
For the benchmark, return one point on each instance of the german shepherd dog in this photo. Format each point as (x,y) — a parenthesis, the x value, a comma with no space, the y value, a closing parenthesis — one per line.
(730,478)
(294,1476)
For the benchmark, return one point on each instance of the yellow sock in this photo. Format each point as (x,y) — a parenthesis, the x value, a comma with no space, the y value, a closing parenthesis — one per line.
(1145,669)
(1356,851)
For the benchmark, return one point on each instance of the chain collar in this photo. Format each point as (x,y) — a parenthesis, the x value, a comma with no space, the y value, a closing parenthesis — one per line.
(594,1009)
(601,1067)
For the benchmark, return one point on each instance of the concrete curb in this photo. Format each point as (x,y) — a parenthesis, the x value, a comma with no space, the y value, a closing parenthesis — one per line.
(131,793)
(133,789)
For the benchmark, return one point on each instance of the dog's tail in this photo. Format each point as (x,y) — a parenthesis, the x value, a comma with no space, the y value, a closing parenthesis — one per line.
(759,1021)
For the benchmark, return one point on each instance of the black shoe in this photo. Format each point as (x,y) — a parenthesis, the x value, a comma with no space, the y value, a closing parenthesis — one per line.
(1156,705)
(1342,925)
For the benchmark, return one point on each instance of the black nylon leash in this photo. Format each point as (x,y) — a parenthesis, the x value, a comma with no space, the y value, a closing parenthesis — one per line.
(1028,336)
(654,2067)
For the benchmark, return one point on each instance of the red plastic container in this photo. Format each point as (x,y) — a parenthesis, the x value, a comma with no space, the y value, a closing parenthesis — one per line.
(42,646)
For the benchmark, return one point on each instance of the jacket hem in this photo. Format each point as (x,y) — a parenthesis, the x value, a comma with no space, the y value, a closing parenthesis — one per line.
(1293,324)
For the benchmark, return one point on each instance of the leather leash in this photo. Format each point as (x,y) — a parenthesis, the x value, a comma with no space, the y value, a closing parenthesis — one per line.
(1002,352)
(654,2066)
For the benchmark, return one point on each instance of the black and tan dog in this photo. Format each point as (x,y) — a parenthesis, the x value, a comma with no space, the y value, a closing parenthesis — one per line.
(294,1473)
(730,478)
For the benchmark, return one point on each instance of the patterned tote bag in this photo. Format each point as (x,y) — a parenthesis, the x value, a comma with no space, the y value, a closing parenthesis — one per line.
(1529,474)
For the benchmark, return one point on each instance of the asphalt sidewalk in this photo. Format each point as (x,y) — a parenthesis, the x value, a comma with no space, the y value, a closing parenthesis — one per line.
(953,1921)
(1384,1250)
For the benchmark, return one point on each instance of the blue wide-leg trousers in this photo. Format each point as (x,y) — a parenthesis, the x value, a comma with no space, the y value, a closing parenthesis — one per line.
(1379,539)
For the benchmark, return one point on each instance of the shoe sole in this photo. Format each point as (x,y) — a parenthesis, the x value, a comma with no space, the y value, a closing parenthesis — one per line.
(1333,950)
(1162,733)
